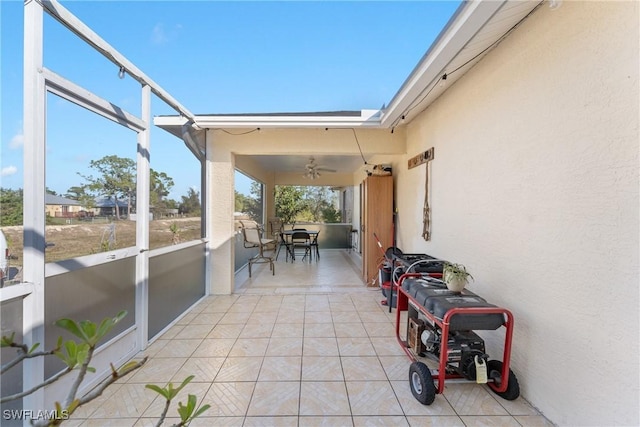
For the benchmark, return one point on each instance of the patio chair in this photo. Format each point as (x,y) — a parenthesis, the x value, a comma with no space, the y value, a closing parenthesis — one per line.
(314,245)
(252,234)
(301,241)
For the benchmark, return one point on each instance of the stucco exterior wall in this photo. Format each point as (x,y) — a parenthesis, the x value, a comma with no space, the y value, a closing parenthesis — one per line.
(535,189)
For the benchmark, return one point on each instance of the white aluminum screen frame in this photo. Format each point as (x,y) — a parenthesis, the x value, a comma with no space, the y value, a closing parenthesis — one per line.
(37,82)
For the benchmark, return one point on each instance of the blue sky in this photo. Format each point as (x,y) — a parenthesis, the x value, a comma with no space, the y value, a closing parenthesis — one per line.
(213,57)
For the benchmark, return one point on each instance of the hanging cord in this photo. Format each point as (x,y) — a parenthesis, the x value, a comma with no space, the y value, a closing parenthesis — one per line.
(445,74)
(358,142)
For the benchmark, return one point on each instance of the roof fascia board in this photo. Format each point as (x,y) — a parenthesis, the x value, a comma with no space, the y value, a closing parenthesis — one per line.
(462,27)
(367,118)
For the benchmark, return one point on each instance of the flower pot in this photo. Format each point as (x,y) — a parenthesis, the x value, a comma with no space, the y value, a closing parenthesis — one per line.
(455,284)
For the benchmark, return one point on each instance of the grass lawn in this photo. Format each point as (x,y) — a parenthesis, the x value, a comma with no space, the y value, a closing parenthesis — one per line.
(75,240)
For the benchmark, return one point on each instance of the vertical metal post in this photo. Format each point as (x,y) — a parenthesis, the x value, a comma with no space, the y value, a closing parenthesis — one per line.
(207,211)
(33,204)
(142,223)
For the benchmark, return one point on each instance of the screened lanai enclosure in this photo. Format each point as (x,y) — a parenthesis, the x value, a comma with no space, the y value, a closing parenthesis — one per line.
(155,286)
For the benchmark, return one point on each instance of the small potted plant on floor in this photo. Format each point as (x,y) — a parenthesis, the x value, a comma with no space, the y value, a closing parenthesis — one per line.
(455,276)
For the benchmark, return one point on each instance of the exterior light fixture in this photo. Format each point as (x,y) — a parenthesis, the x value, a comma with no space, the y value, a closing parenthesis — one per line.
(121,73)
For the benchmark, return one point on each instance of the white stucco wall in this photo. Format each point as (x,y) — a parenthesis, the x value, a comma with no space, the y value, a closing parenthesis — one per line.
(535,189)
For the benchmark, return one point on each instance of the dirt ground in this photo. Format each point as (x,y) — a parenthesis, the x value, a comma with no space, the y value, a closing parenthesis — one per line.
(70,241)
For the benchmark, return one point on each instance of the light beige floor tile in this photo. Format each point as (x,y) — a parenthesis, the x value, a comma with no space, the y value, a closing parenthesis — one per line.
(287,330)
(256,330)
(472,399)
(113,422)
(179,348)
(187,318)
(214,347)
(317,317)
(380,421)
(206,318)
(325,421)
(284,347)
(226,331)
(533,421)
(322,368)
(275,398)
(362,369)
(387,346)
(290,316)
(373,317)
(372,398)
(228,399)
(129,401)
(244,347)
(517,407)
(342,305)
(490,421)
(345,317)
(324,398)
(349,346)
(171,332)
(231,318)
(204,369)
(437,421)
(157,371)
(154,348)
(194,331)
(320,347)
(153,421)
(263,317)
(324,330)
(281,368)
(204,421)
(239,369)
(87,409)
(380,329)
(352,329)
(290,421)
(411,406)
(396,367)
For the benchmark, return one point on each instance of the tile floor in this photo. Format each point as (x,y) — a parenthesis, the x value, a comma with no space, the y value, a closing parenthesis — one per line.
(310,346)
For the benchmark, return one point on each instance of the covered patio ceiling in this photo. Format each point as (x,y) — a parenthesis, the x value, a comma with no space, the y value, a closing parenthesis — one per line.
(475,29)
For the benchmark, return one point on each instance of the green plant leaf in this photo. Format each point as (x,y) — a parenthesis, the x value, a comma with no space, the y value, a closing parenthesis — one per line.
(201,410)
(161,391)
(72,327)
(33,347)
(7,340)
(185,382)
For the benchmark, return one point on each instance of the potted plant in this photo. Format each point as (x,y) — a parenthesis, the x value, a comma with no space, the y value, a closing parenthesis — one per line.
(455,276)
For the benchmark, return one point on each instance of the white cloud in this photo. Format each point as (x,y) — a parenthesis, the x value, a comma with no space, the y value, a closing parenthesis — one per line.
(16,142)
(158,35)
(9,170)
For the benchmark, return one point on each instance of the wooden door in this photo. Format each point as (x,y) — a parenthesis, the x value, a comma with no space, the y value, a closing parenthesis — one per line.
(377,222)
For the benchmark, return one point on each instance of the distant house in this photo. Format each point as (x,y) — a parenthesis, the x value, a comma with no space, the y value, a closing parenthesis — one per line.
(61,207)
(106,206)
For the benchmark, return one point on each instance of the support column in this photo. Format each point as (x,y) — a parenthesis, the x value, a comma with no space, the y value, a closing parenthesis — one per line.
(33,204)
(220,206)
(142,224)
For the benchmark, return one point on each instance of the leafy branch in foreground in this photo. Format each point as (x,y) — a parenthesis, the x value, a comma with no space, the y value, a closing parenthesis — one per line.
(76,356)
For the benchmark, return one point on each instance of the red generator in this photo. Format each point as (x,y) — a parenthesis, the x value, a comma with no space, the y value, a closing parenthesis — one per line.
(440,327)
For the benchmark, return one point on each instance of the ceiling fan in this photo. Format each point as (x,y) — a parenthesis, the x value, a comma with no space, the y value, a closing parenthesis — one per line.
(313,169)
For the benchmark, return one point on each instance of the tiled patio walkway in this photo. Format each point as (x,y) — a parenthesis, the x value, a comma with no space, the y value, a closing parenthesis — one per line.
(310,346)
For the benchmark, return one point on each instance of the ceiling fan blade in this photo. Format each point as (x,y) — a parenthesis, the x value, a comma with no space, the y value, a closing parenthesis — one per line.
(325,169)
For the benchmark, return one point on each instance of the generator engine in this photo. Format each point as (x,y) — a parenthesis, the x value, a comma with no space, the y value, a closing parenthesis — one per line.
(462,347)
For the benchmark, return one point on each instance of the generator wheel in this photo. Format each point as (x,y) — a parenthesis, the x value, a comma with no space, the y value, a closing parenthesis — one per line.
(421,382)
(494,371)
